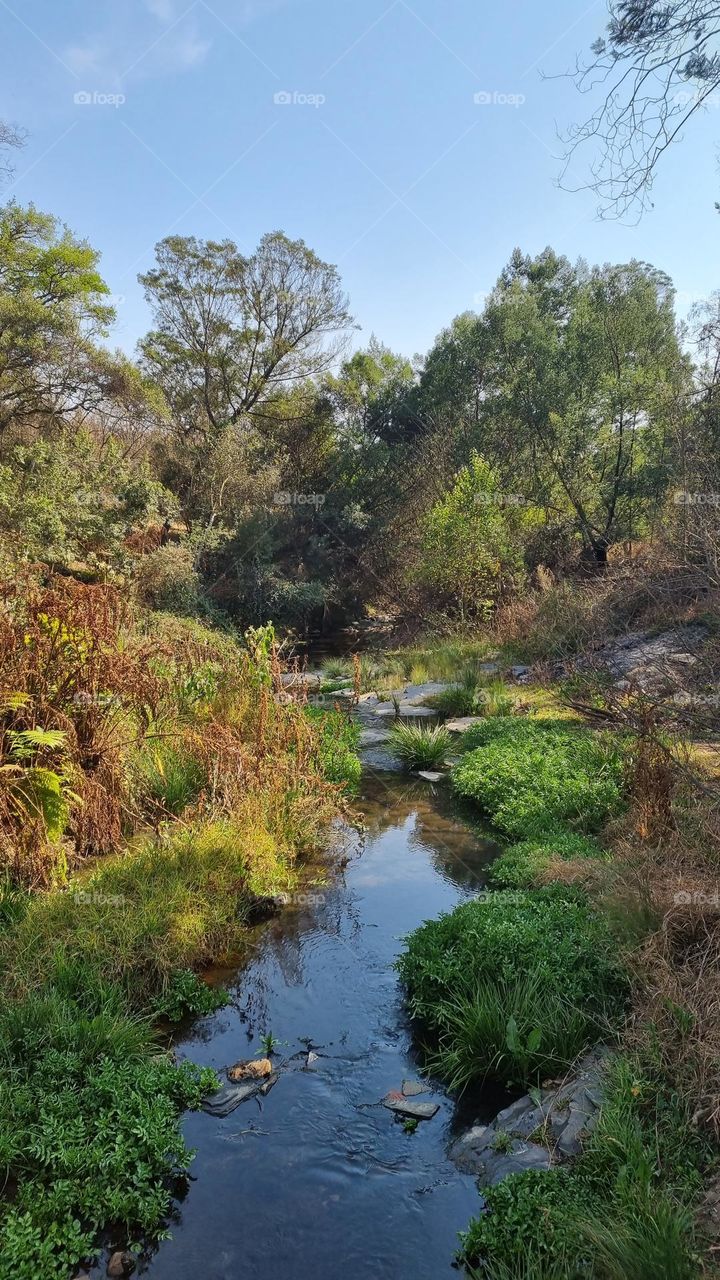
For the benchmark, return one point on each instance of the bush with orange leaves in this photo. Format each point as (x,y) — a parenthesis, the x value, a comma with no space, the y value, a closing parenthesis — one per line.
(114,720)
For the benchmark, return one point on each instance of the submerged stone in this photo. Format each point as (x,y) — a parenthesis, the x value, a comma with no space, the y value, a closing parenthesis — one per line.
(225,1101)
(411,1088)
(415,1110)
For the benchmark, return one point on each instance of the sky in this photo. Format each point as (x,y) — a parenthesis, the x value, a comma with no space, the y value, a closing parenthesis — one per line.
(413,143)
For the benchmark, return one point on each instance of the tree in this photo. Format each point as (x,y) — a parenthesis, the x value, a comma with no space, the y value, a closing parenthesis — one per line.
(53,308)
(10,139)
(576,375)
(231,332)
(473,540)
(658,63)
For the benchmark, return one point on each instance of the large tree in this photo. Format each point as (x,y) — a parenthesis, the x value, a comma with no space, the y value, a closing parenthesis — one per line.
(565,384)
(233,332)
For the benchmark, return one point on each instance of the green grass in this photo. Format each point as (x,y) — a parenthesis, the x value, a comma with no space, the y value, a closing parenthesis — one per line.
(623,1211)
(511,984)
(170,904)
(519,866)
(337,746)
(514,1029)
(419,746)
(530,776)
(171,777)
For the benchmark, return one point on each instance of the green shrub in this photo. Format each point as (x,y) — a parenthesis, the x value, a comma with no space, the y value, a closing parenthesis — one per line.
(508,953)
(513,1029)
(186,994)
(88,1130)
(458,700)
(519,866)
(529,776)
(418,746)
(528,1228)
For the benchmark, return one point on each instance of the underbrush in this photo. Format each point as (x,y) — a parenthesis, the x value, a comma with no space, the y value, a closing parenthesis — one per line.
(526,864)
(89,1136)
(114,725)
(530,776)
(512,985)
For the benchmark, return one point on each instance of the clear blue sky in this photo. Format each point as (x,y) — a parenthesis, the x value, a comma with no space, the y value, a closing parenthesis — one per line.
(416,191)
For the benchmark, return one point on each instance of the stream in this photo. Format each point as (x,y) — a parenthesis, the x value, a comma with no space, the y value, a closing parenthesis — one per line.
(318,1179)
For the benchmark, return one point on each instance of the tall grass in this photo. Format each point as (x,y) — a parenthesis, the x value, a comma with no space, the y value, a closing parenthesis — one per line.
(419,746)
(513,1029)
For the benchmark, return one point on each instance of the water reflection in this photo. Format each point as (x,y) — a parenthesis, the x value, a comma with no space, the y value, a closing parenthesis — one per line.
(318,1177)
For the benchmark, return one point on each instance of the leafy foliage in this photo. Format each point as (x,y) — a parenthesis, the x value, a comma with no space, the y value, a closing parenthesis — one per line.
(508,983)
(518,866)
(529,776)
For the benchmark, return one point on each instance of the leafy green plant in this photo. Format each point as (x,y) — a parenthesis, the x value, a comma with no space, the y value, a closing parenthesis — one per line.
(337,745)
(73,1071)
(418,746)
(529,776)
(186,994)
(512,983)
(519,866)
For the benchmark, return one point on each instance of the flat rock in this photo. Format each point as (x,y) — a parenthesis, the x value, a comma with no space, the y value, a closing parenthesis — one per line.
(461,723)
(533,1133)
(431,775)
(518,671)
(301,679)
(414,693)
(415,1110)
(411,1088)
(373,737)
(404,709)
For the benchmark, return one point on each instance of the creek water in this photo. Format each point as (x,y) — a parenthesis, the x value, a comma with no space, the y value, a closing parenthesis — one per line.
(320,1180)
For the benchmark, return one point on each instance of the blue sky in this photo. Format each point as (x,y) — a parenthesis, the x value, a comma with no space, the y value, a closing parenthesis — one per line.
(382,161)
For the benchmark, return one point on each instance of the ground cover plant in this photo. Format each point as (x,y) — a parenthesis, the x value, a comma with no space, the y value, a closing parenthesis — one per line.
(527,863)
(512,984)
(530,776)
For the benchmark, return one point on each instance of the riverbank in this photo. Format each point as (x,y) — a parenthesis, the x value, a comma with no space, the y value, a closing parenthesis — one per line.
(517,984)
(156,795)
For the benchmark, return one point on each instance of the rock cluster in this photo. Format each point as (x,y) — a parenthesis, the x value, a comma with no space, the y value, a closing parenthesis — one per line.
(535,1132)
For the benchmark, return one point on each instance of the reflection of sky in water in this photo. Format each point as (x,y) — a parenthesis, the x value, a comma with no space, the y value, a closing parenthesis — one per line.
(322,1180)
